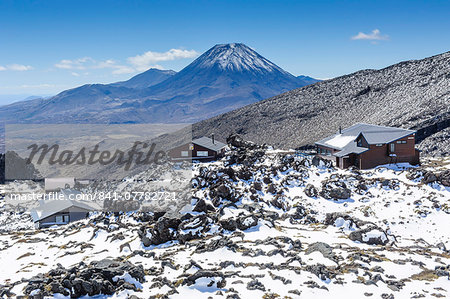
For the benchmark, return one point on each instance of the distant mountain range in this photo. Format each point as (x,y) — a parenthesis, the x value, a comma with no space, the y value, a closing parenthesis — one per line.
(146,79)
(224,78)
(412,94)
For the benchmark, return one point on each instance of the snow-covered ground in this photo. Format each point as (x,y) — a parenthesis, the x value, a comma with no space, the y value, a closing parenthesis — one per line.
(263,226)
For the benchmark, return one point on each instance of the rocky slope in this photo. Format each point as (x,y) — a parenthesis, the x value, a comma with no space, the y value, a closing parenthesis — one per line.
(412,94)
(224,78)
(262,223)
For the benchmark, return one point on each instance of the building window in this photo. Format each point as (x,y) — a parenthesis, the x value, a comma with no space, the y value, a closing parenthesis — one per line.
(323,151)
(184,153)
(401,141)
(379,144)
(359,142)
(202,153)
(392,147)
(62,218)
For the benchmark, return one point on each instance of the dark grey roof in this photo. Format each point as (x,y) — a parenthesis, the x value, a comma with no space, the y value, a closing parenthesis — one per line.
(351,148)
(51,207)
(372,133)
(208,143)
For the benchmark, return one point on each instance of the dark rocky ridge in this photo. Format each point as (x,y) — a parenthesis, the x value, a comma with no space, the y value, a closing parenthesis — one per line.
(412,94)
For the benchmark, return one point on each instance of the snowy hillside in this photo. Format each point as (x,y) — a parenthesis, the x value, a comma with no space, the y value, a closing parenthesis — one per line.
(262,223)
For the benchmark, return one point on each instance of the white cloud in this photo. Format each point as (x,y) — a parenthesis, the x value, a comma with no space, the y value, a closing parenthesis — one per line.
(105,64)
(123,70)
(148,59)
(37,85)
(77,64)
(16,67)
(135,64)
(75,74)
(374,35)
(86,63)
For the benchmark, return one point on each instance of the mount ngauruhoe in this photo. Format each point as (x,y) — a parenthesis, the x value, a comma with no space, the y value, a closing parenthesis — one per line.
(412,94)
(224,78)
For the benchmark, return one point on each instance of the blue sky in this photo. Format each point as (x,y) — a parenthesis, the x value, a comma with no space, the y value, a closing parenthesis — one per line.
(50,46)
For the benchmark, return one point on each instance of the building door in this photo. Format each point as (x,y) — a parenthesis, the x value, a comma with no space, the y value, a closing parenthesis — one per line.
(392,147)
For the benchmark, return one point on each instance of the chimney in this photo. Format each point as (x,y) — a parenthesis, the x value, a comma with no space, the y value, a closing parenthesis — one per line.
(340,130)
(212,137)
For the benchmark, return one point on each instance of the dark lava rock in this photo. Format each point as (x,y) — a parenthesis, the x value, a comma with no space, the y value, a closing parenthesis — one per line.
(206,274)
(324,248)
(442,270)
(311,191)
(296,245)
(444,178)
(330,219)
(100,277)
(193,228)
(220,192)
(302,215)
(391,184)
(335,189)
(165,230)
(215,244)
(238,142)
(320,271)
(429,177)
(255,285)
(229,171)
(244,175)
(228,224)
(202,206)
(267,180)
(257,186)
(245,222)
(414,174)
(272,189)
(361,236)
(280,202)
(143,217)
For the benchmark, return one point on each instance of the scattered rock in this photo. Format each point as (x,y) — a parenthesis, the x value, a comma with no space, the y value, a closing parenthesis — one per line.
(255,285)
(245,222)
(99,277)
(311,191)
(371,235)
(335,189)
(324,248)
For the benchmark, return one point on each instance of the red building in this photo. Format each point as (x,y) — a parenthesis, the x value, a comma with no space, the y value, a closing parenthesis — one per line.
(367,146)
(202,149)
